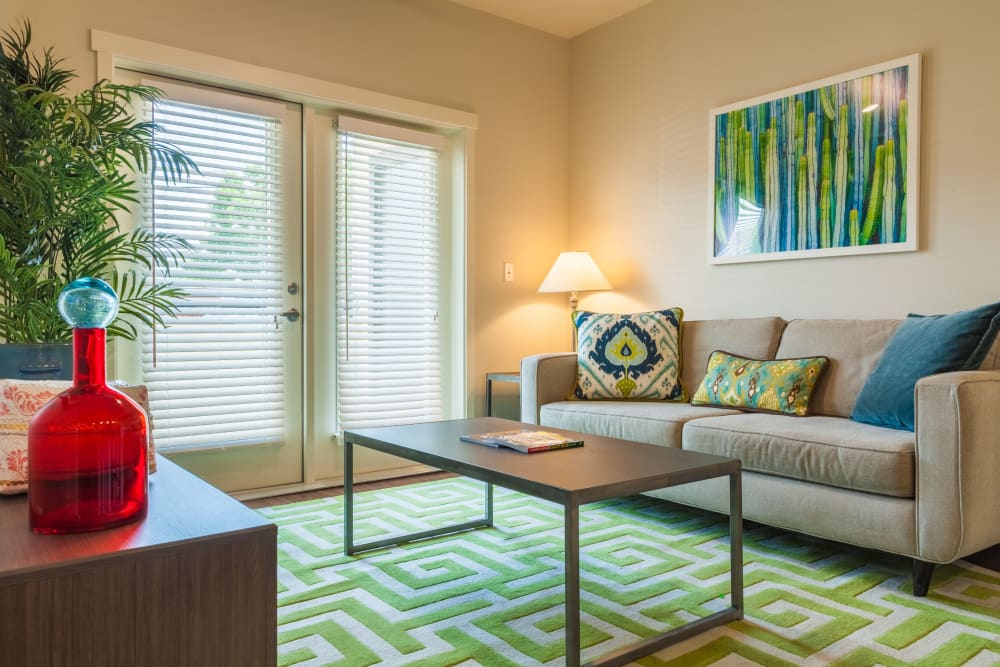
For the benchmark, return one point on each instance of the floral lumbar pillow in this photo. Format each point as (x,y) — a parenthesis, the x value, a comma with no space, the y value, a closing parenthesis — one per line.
(19,401)
(635,356)
(782,385)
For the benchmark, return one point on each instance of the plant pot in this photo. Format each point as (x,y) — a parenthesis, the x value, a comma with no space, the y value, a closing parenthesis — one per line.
(36,361)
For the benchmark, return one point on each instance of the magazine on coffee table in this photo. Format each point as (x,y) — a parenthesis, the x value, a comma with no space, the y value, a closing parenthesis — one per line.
(525,441)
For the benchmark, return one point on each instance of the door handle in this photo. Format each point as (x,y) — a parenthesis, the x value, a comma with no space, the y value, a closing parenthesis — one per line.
(291,314)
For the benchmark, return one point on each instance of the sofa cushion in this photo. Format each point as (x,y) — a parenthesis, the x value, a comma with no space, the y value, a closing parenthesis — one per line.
(922,346)
(853,347)
(643,421)
(826,450)
(634,356)
(780,385)
(756,338)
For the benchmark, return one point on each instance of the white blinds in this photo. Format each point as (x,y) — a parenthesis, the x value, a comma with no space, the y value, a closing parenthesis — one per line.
(218,377)
(388,276)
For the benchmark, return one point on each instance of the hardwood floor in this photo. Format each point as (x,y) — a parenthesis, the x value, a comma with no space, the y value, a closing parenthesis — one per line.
(988,558)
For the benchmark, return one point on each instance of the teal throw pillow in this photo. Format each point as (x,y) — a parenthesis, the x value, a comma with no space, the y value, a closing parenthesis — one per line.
(922,346)
(781,385)
(635,356)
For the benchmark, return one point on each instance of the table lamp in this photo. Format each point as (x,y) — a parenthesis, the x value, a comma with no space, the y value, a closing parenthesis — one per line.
(574,272)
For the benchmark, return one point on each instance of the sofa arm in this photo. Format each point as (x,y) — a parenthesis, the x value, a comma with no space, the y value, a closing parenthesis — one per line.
(957,462)
(545,378)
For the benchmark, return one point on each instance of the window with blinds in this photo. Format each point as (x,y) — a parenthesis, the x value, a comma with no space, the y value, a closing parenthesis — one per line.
(216,374)
(388,275)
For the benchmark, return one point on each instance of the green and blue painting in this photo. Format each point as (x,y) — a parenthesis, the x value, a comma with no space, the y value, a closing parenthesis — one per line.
(824,168)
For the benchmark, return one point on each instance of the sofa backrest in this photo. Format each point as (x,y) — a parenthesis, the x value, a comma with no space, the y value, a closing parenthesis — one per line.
(756,338)
(854,347)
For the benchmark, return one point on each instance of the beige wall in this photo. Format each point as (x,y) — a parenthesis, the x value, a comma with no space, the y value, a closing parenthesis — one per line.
(515,79)
(642,86)
(601,143)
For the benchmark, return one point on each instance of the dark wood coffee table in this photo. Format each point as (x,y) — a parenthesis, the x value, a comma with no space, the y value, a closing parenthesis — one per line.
(603,468)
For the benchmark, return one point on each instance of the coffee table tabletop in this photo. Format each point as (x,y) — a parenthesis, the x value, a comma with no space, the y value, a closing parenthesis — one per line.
(603,468)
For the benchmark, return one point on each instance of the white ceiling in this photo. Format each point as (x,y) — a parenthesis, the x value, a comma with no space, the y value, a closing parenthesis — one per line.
(563,18)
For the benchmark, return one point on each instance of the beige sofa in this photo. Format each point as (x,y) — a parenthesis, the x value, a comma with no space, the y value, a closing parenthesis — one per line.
(931,494)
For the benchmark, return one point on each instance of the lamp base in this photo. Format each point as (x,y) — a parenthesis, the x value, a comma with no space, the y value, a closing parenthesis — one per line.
(573,301)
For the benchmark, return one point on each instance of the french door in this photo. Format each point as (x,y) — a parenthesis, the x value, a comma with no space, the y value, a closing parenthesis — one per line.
(225,375)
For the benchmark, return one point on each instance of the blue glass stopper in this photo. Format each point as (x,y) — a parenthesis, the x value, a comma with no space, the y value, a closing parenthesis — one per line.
(88,303)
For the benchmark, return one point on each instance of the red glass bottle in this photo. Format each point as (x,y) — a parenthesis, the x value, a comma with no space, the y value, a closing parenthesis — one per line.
(87,467)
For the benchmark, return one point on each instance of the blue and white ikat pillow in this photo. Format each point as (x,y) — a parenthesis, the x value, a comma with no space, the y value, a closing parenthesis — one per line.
(634,356)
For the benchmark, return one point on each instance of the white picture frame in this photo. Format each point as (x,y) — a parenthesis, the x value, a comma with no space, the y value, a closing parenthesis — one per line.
(826,168)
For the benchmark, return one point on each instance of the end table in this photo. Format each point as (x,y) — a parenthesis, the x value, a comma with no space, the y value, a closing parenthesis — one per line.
(513,376)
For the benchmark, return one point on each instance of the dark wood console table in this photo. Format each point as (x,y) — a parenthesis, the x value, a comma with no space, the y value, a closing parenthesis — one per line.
(195,583)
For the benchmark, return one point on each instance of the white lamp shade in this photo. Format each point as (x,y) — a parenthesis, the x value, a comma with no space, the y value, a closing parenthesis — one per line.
(574,272)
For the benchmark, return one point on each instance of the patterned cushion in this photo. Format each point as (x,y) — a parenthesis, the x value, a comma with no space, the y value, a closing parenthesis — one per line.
(19,401)
(782,385)
(636,356)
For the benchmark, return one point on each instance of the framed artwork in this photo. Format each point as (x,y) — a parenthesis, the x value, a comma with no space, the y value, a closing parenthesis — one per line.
(826,168)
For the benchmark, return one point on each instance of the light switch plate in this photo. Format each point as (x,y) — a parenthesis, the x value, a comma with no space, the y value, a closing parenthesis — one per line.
(508,272)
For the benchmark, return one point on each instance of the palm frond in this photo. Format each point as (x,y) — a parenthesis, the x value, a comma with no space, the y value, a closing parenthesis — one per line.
(142,301)
(66,174)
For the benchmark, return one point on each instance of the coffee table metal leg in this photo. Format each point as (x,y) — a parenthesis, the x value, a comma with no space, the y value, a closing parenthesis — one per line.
(348,497)
(736,543)
(489,504)
(351,548)
(571,546)
(651,645)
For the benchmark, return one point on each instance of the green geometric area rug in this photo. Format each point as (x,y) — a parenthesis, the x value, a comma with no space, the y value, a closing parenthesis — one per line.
(494,596)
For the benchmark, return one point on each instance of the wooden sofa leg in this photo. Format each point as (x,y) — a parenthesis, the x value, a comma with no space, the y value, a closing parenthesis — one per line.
(922,572)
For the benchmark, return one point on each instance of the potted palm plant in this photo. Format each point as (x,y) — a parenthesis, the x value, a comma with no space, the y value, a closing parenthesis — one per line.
(67,172)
